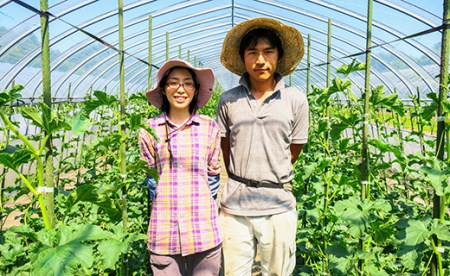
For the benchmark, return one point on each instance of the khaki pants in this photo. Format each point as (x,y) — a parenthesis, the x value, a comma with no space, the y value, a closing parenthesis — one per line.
(274,236)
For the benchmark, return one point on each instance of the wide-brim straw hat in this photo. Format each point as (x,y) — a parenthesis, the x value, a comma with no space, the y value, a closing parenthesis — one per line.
(291,40)
(205,80)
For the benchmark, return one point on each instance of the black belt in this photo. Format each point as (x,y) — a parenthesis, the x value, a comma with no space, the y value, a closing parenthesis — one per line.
(255,183)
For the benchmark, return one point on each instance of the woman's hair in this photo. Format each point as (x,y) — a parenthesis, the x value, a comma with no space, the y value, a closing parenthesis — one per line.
(165,102)
(251,38)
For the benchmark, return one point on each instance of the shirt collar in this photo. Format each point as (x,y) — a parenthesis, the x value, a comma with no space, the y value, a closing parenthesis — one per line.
(163,118)
(244,81)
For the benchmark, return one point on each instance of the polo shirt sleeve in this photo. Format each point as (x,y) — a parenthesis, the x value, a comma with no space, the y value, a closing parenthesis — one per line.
(222,117)
(301,118)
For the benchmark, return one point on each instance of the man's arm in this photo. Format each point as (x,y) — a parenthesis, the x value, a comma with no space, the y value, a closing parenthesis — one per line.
(295,151)
(225,146)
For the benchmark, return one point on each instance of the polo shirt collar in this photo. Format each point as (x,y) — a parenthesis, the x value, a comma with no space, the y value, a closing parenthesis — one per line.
(244,81)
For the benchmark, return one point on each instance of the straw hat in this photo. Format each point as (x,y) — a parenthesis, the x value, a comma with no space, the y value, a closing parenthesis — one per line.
(205,79)
(291,40)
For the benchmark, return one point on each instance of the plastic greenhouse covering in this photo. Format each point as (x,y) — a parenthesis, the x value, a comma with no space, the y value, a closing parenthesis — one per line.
(369,145)
(405,48)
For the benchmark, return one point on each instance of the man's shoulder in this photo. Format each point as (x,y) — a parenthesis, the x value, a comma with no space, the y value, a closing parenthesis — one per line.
(294,92)
(237,91)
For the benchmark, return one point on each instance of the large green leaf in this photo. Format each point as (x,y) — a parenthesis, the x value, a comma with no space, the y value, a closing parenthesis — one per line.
(44,118)
(377,98)
(10,95)
(438,177)
(57,261)
(134,122)
(15,160)
(79,124)
(416,233)
(70,250)
(350,68)
(103,99)
(441,229)
(352,211)
(83,232)
(339,85)
(102,198)
(340,266)
(138,96)
(110,252)
(429,110)
(25,230)
(32,113)
(387,147)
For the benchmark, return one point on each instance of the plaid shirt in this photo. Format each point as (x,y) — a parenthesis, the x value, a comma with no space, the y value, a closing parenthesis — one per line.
(184,217)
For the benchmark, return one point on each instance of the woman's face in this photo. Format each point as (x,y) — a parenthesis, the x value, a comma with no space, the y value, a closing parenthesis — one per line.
(180,89)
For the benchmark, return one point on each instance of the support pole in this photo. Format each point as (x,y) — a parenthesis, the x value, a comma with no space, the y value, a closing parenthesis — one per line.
(439,201)
(47,97)
(122,132)
(150,51)
(167,46)
(308,66)
(366,111)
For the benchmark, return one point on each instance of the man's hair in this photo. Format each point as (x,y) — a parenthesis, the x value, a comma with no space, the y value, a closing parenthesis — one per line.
(251,38)
(165,102)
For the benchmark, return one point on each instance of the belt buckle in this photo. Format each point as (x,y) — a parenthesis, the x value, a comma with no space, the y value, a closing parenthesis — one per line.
(254,183)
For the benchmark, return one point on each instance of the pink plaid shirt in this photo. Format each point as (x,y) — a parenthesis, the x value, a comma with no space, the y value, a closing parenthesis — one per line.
(184,217)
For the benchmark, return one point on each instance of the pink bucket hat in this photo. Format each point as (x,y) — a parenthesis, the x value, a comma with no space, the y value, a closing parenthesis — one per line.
(205,79)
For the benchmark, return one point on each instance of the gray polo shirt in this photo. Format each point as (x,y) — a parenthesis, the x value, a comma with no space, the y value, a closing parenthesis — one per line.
(260,139)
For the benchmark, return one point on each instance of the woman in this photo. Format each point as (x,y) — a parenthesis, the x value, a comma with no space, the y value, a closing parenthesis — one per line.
(183,233)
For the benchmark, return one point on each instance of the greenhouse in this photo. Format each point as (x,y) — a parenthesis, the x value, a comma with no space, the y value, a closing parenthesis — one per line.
(371,184)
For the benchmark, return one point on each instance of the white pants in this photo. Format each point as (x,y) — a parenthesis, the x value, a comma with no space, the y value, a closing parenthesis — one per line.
(274,236)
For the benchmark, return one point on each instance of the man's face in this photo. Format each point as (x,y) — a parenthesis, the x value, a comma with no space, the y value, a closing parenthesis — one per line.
(261,61)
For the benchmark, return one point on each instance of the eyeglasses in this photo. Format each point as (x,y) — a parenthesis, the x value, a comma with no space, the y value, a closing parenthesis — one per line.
(188,86)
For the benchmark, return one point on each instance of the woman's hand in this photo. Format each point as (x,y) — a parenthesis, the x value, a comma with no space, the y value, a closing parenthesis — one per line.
(214,169)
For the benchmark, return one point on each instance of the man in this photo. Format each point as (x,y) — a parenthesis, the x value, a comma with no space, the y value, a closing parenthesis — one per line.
(264,126)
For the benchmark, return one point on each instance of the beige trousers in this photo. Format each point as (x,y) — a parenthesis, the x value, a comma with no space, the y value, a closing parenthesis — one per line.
(273,236)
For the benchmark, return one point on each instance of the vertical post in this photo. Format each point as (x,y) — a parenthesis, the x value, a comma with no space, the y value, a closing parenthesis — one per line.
(4,169)
(150,50)
(189,56)
(443,86)
(122,130)
(327,83)
(328,54)
(327,150)
(365,131)
(439,208)
(365,161)
(179,52)
(167,46)
(47,97)
(232,13)
(122,149)
(308,66)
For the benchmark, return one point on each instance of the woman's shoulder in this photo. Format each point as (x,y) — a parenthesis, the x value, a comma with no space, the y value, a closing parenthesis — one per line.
(207,120)
(156,120)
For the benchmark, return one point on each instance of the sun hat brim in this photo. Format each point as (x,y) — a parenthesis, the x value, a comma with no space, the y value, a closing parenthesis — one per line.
(205,79)
(291,39)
